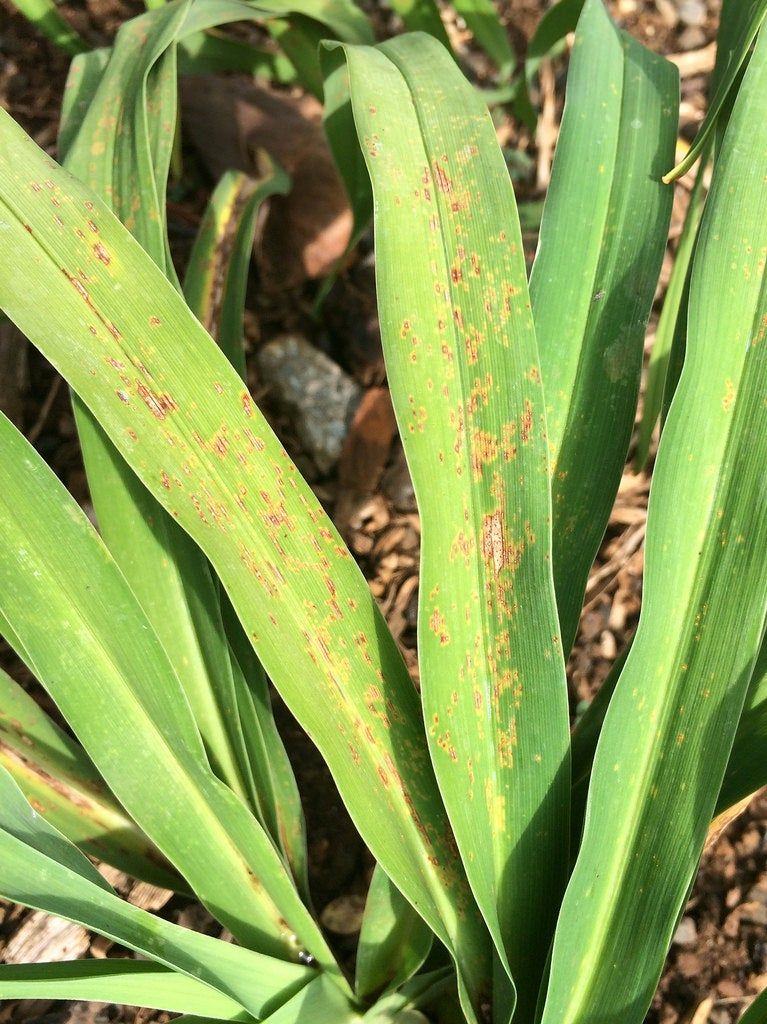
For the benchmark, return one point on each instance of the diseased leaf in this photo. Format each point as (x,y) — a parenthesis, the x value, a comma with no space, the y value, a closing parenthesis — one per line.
(40,869)
(192,433)
(92,648)
(463,370)
(60,782)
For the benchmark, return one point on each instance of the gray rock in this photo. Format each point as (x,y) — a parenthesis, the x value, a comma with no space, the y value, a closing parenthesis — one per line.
(315,390)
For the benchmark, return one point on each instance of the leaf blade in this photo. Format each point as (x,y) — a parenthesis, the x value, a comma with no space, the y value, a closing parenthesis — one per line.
(669,728)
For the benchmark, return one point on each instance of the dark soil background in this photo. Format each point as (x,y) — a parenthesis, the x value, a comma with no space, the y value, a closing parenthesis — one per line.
(718,961)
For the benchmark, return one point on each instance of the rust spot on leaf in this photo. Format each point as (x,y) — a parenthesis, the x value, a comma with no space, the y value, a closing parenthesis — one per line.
(526,422)
(158,404)
(444,184)
(438,626)
(484,450)
(102,254)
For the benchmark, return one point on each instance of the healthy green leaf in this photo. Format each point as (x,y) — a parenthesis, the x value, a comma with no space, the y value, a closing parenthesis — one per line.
(60,782)
(422,16)
(463,371)
(209,53)
(40,869)
(134,982)
(192,433)
(93,650)
(394,941)
(320,1002)
(671,722)
(746,770)
(606,204)
(484,23)
(672,316)
(739,25)
(48,20)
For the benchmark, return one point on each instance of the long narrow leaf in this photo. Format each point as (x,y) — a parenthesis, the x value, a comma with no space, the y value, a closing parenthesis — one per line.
(215,286)
(606,204)
(671,722)
(739,25)
(40,869)
(60,782)
(192,433)
(672,315)
(394,940)
(134,982)
(48,20)
(95,653)
(463,370)
(747,767)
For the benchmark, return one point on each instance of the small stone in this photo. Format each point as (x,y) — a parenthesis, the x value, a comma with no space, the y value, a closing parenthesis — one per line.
(343,916)
(686,933)
(315,391)
(692,13)
(692,38)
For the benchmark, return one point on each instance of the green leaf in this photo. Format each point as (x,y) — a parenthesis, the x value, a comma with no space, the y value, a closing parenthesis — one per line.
(554,25)
(40,869)
(672,317)
(319,1002)
(210,53)
(747,767)
(394,941)
(60,782)
(606,203)
(463,370)
(191,424)
(739,25)
(484,23)
(48,20)
(423,16)
(214,286)
(217,272)
(134,982)
(671,722)
(95,653)
(181,601)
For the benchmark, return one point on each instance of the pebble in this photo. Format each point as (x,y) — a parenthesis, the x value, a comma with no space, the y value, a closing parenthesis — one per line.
(313,389)
(686,933)
(692,13)
(692,38)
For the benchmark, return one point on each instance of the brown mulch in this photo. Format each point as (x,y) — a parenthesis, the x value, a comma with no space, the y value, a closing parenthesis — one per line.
(719,958)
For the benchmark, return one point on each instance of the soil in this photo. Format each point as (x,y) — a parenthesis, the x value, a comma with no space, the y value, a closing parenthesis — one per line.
(719,958)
